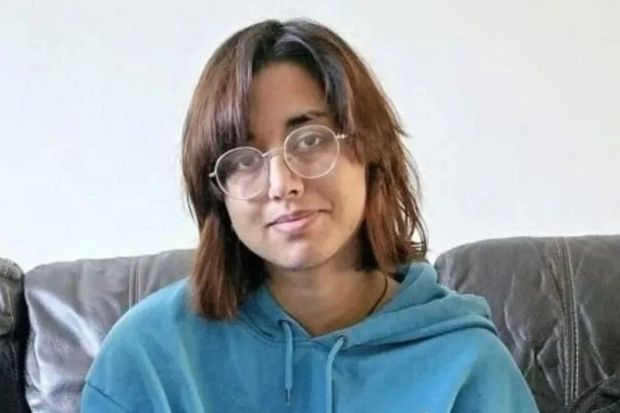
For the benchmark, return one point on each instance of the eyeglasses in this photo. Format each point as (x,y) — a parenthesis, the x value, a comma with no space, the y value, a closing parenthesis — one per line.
(310,152)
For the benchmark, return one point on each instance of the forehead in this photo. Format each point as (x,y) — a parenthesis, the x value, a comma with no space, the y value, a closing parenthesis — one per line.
(283,96)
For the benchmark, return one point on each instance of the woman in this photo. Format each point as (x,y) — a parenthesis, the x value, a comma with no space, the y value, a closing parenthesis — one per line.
(307,292)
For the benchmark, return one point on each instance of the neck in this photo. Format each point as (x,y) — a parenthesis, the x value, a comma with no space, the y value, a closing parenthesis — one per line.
(327,298)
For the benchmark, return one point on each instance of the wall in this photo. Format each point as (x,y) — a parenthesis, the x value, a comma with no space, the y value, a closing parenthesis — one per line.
(512,108)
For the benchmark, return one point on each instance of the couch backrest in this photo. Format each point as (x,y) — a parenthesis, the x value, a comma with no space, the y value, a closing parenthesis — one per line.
(71,307)
(555,303)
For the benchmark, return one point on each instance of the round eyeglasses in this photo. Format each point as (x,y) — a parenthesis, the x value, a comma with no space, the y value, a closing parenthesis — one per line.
(310,152)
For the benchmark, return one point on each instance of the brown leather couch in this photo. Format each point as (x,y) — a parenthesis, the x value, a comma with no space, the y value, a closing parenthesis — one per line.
(554,301)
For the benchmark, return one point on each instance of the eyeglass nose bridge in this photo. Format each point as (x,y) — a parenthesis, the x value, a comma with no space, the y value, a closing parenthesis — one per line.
(270,154)
(267,156)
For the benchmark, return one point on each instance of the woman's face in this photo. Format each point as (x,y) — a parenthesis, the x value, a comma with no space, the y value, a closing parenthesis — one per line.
(329,209)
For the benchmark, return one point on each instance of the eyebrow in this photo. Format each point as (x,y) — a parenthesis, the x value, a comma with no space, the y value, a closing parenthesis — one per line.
(302,118)
(298,120)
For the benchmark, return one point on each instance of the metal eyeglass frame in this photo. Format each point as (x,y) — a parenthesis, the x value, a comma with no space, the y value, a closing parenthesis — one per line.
(273,152)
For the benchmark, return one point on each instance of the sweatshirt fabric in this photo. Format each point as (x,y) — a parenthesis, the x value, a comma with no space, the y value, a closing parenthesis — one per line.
(428,350)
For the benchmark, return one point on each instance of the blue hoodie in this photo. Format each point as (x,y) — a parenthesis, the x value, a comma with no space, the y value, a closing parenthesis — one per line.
(428,350)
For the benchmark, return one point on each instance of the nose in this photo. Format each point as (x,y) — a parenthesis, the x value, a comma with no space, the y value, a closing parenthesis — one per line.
(283,183)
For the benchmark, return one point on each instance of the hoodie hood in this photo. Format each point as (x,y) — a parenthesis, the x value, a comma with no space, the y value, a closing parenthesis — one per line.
(420,309)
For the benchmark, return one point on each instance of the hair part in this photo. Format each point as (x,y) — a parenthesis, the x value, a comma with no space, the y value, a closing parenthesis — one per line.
(225,271)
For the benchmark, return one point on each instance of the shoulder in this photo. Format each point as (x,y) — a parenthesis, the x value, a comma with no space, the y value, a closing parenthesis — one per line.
(483,347)
(161,308)
(154,321)
(142,340)
(490,379)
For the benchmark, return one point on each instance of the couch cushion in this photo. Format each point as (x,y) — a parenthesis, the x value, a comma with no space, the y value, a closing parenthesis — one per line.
(72,306)
(13,331)
(555,303)
(603,397)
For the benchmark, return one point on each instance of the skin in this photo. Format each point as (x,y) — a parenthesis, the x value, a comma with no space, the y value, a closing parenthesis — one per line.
(311,271)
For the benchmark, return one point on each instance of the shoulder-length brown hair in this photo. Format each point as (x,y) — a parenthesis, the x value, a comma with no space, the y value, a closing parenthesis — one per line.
(224,270)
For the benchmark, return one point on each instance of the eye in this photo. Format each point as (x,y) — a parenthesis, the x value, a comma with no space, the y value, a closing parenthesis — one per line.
(242,160)
(309,142)
(247,161)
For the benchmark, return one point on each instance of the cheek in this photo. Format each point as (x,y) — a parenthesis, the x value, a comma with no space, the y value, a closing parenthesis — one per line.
(357,206)
(351,195)
(244,218)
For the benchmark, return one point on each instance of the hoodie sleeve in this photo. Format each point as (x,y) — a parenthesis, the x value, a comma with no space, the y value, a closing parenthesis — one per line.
(495,383)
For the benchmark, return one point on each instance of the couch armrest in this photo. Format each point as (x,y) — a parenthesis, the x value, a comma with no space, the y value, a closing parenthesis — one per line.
(13,335)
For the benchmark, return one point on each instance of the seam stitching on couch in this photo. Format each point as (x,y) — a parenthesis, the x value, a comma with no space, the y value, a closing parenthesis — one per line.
(574,344)
(555,263)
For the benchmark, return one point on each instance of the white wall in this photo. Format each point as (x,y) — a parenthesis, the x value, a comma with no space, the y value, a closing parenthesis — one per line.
(513,108)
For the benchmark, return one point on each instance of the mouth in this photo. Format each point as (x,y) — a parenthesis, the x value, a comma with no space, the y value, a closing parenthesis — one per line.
(295,222)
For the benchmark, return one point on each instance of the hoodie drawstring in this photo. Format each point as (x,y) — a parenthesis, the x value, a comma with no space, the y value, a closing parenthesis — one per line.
(288,362)
(329,365)
(328,372)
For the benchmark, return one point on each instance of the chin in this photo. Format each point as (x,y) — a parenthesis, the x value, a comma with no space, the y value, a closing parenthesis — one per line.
(296,263)
(297,260)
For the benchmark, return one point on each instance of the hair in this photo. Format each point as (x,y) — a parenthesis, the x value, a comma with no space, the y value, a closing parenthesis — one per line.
(224,270)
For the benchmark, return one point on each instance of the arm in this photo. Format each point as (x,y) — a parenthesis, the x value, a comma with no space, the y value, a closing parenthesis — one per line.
(495,383)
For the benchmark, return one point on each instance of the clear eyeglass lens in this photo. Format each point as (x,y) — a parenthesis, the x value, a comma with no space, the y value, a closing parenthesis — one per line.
(242,173)
(310,152)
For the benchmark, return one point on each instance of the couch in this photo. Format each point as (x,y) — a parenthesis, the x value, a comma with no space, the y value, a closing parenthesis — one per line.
(553,299)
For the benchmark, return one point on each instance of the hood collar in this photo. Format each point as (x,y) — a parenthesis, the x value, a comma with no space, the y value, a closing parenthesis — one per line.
(421,307)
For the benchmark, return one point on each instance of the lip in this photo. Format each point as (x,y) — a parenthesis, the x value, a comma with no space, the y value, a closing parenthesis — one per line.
(292,216)
(294,222)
